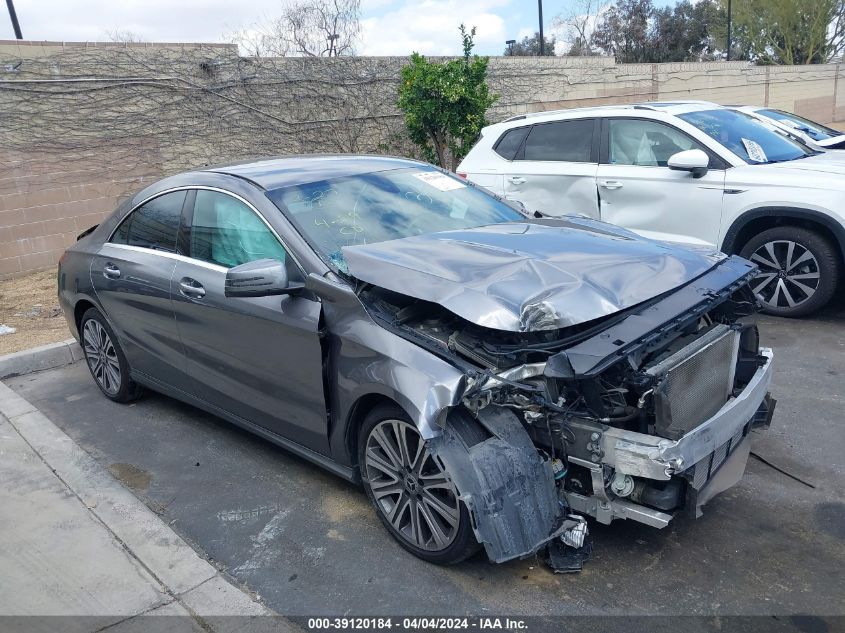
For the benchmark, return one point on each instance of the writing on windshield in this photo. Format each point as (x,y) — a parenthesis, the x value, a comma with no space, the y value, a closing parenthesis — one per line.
(387,205)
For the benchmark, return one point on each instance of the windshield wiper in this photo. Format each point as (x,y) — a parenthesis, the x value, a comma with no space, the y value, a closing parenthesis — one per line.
(785,160)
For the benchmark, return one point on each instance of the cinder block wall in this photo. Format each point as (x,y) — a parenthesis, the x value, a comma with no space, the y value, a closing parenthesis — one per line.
(46,201)
(84,125)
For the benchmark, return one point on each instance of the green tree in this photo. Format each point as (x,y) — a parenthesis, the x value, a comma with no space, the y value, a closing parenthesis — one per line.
(787,31)
(623,31)
(684,32)
(635,31)
(445,103)
(530,46)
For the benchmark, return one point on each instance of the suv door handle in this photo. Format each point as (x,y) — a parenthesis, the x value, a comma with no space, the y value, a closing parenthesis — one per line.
(111,271)
(516,180)
(610,184)
(191,288)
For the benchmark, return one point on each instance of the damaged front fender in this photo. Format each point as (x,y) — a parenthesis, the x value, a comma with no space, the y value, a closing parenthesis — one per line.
(506,484)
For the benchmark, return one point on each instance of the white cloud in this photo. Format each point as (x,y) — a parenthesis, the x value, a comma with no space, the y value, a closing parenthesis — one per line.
(151,20)
(392,27)
(431,27)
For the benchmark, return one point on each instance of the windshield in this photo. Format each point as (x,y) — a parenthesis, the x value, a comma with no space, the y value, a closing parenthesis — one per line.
(386,205)
(815,131)
(748,138)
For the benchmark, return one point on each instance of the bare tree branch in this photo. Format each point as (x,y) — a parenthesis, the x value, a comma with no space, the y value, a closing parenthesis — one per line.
(305,28)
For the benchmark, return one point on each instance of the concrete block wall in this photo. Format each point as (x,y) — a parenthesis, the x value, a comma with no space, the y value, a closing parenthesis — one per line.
(66,160)
(46,202)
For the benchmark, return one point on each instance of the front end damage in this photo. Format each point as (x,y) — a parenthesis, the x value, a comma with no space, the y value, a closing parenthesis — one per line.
(640,415)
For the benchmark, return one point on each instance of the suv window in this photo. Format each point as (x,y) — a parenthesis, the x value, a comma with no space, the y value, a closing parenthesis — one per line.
(570,141)
(646,143)
(227,232)
(154,224)
(510,142)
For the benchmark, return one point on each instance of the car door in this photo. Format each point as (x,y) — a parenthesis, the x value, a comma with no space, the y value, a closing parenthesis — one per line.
(258,358)
(638,191)
(554,169)
(131,277)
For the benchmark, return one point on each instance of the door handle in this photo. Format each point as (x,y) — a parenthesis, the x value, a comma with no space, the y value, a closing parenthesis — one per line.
(516,180)
(111,271)
(191,288)
(610,184)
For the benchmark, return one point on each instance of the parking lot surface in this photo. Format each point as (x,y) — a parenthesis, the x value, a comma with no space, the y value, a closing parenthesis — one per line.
(308,543)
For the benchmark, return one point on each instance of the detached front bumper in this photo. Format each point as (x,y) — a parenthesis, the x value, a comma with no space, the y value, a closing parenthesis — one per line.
(711,457)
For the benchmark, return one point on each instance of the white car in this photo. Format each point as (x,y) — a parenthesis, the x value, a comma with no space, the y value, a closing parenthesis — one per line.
(812,133)
(683,172)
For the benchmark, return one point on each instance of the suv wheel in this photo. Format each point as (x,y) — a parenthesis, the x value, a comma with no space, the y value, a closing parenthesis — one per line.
(412,493)
(799,270)
(105,358)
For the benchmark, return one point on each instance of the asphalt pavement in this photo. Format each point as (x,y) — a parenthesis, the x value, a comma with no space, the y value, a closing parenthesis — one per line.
(308,543)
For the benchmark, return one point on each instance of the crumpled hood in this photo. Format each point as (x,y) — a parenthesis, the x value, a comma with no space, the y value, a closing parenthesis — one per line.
(532,275)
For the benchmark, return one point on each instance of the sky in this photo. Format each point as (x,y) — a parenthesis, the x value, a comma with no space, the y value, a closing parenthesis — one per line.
(389,27)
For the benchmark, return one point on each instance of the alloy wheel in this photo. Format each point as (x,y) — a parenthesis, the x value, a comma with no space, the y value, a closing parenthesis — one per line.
(101,356)
(410,487)
(789,273)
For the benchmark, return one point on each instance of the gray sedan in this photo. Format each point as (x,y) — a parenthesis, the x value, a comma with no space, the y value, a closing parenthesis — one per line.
(491,379)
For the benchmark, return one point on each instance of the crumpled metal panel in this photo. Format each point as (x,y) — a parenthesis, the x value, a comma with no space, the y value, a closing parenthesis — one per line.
(503,481)
(530,276)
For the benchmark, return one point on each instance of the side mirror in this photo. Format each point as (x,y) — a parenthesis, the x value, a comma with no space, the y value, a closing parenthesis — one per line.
(261,278)
(692,160)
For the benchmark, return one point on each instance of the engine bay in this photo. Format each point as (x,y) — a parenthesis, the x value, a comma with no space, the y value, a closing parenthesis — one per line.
(578,406)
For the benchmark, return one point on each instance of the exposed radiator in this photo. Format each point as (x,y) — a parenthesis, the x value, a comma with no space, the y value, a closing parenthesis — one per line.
(694,382)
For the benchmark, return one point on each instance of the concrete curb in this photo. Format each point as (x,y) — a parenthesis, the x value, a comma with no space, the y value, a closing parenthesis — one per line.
(39,358)
(182,574)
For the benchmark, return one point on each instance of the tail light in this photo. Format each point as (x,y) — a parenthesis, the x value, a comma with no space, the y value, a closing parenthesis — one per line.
(462,175)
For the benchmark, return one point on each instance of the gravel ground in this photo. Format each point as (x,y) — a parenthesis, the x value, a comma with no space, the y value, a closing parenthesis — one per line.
(29,305)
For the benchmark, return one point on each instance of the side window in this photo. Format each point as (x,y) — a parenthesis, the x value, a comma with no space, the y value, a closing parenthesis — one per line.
(570,141)
(646,143)
(153,224)
(509,144)
(227,232)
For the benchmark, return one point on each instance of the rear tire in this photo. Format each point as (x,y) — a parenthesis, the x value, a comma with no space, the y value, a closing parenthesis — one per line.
(105,358)
(799,270)
(403,481)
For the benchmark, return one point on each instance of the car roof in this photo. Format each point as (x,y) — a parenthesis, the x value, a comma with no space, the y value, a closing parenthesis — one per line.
(667,107)
(285,171)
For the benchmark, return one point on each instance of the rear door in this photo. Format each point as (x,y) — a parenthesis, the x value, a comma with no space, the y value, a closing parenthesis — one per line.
(554,168)
(258,358)
(131,277)
(638,191)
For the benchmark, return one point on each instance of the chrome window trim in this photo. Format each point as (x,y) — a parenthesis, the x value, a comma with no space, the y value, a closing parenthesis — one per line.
(194,260)
(168,255)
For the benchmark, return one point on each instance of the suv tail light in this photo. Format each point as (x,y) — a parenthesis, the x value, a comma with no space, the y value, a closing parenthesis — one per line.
(462,175)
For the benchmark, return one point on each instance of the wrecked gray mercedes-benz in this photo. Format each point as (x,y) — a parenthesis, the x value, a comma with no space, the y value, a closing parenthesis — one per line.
(491,379)
(605,375)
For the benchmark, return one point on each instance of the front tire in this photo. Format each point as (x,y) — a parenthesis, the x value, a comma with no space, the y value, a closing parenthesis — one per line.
(105,358)
(410,490)
(799,270)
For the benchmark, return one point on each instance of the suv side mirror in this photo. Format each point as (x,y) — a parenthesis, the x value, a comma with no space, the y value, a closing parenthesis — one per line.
(693,160)
(261,278)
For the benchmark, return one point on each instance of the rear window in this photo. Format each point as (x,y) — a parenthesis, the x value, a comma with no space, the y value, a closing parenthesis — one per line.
(510,142)
(154,224)
(570,141)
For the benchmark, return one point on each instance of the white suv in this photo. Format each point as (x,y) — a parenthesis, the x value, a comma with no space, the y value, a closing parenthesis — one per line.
(683,172)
